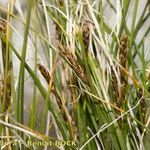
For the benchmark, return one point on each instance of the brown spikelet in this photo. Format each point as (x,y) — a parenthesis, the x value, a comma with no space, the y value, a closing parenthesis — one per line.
(86,34)
(61,2)
(74,106)
(114,84)
(8,93)
(1,88)
(120,95)
(122,60)
(143,105)
(123,52)
(44,72)
(58,32)
(6,90)
(47,77)
(3,27)
(67,55)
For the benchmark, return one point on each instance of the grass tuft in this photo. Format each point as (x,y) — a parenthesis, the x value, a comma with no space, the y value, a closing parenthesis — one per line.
(96,92)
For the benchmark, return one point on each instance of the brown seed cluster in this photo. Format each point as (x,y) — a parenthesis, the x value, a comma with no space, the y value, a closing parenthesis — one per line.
(143,105)
(114,84)
(123,53)
(58,32)
(120,95)
(61,2)
(67,55)
(123,59)
(3,27)
(1,88)
(86,34)
(44,72)
(5,87)
(3,30)
(47,77)
(60,104)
